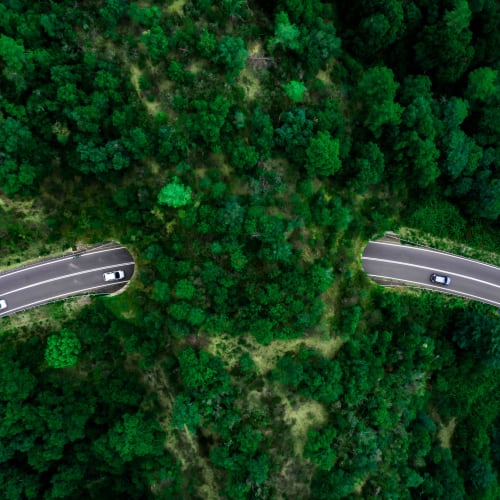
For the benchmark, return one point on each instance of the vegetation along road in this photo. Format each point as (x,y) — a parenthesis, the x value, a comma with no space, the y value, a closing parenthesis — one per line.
(66,276)
(411,265)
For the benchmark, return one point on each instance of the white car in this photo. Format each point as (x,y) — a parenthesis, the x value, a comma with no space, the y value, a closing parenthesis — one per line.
(113,275)
(3,304)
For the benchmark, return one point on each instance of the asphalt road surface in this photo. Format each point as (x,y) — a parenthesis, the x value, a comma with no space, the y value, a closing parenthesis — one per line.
(37,284)
(392,263)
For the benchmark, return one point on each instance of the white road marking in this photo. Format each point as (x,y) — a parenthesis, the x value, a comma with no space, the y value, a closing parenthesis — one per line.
(438,271)
(441,289)
(451,255)
(101,251)
(57,297)
(66,276)
(56,261)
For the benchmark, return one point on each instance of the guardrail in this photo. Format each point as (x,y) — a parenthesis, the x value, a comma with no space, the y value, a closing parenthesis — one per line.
(51,259)
(91,294)
(391,235)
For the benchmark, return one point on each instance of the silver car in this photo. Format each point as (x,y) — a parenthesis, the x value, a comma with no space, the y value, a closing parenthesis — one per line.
(3,304)
(440,279)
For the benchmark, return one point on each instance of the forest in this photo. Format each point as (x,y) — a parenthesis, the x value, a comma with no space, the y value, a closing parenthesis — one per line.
(245,152)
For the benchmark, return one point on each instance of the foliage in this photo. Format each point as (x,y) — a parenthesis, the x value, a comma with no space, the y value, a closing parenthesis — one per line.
(377,90)
(323,155)
(311,375)
(174,194)
(321,45)
(184,289)
(232,54)
(294,134)
(62,350)
(440,218)
(250,357)
(319,448)
(482,83)
(294,90)
(286,34)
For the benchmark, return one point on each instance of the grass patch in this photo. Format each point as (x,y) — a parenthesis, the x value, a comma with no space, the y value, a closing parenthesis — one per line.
(265,357)
(445,433)
(177,7)
(152,107)
(196,66)
(302,416)
(218,160)
(248,77)
(123,304)
(49,317)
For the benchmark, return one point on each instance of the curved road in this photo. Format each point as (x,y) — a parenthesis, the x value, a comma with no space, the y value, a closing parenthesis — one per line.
(63,277)
(387,262)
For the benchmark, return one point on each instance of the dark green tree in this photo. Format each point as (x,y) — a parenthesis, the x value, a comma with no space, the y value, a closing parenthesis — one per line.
(377,91)
(232,54)
(320,449)
(62,350)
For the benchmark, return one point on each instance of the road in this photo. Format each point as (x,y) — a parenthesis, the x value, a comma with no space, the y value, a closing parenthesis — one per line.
(389,262)
(43,282)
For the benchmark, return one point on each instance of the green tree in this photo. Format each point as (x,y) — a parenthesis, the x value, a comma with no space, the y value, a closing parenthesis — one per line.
(323,155)
(209,118)
(18,148)
(294,90)
(207,43)
(203,375)
(321,45)
(156,42)
(489,199)
(483,83)
(261,132)
(415,143)
(136,142)
(370,164)
(319,447)
(62,350)
(232,54)
(243,157)
(174,194)
(135,435)
(184,289)
(479,334)
(295,133)
(445,46)
(481,474)
(333,485)
(462,154)
(236,9)
(311,375)
(377,91)
(161,291)
(381,24)
(196,316)
(14,56)
(455,111)
(286,34)
(112,12)
(186,413)
(147,16)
